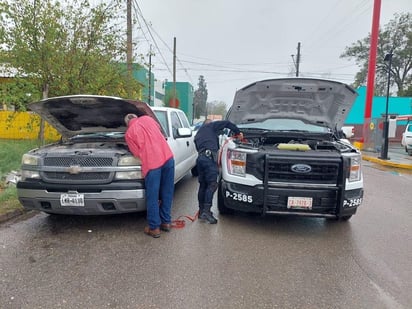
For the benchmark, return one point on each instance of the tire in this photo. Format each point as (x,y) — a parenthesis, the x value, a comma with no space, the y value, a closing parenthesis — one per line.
(194,171)
(223,210)
(337,219)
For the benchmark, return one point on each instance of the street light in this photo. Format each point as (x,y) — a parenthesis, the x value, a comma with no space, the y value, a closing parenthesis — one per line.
(384,148)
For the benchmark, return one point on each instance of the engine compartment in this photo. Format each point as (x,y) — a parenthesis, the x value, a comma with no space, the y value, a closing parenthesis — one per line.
(295,143)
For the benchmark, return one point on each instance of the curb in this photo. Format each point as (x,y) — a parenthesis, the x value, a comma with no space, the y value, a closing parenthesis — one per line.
(385,162)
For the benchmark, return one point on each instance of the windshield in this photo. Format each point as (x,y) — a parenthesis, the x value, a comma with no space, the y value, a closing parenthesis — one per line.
(284,125)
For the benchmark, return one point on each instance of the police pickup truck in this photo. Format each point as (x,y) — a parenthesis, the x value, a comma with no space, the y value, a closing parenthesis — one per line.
(91,171)
(291,160)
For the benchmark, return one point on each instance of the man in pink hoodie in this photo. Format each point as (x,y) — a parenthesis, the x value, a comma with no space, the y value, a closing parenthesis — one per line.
(146,141)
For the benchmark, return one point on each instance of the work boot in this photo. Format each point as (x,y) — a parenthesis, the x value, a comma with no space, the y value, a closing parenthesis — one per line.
(154,233)
(200,211)
(207,215)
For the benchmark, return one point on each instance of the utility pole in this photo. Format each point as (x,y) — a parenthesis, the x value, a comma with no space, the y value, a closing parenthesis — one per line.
(384,149)
(129,47)
(296,63)
(150,74)
(174,68)
(298,60)
(370,84)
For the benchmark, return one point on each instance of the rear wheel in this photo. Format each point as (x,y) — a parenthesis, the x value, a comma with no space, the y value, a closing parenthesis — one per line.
(221,203)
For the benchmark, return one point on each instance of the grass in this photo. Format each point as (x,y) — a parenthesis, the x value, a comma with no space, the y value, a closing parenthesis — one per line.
(11,152)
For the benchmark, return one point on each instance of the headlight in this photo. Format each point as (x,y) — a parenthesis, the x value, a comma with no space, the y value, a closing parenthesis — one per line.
(29,159)
(128,175)
(129,161)
(236,163)
(25,174)
(355,168)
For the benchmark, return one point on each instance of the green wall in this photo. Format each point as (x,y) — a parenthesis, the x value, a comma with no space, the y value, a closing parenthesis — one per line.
(396,106)
(185,93)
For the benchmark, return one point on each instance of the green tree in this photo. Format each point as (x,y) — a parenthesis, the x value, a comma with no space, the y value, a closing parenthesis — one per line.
(65,48)
(200,98)
(395,36)
(217,108)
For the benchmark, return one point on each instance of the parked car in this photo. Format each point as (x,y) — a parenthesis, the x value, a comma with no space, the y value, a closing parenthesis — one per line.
(291,160)
(91,170)
(407,139)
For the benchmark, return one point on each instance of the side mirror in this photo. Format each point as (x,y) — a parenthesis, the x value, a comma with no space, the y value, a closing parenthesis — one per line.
(183,132)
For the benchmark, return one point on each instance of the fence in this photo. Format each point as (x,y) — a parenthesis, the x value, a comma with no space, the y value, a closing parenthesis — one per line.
(24,125)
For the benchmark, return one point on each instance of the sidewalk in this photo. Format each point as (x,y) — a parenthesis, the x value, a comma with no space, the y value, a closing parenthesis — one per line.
(397,157)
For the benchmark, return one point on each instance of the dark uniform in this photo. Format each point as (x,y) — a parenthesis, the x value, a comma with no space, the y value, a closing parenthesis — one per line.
(207,145)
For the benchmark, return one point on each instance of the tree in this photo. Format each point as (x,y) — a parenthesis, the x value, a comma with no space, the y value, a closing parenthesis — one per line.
(217,108)
(396,36)
(200,98)
(66,48)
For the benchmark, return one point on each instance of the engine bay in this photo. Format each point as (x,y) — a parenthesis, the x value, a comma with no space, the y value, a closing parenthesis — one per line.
(295,143)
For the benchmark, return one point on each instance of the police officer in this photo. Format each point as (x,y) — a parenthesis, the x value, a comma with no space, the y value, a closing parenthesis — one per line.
(207,145)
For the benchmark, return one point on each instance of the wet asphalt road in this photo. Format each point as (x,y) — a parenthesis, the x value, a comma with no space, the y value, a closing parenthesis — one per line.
(242,262)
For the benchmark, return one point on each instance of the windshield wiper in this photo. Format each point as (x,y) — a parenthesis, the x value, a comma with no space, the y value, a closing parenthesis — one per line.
(303,131)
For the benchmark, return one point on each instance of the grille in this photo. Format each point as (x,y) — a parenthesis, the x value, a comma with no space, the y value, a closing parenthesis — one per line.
(76,177)
(322,172)
(82,161)
(78,160)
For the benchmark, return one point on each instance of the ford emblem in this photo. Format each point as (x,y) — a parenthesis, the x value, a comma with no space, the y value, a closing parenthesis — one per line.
(301,168)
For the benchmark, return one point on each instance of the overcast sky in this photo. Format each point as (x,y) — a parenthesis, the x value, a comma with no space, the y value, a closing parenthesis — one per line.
(235,42)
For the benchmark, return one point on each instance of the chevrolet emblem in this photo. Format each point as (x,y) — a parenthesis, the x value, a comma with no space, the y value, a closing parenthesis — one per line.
(74,169)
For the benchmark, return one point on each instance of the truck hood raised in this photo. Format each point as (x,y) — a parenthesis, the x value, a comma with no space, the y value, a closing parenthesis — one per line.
(320,102)
(79,114)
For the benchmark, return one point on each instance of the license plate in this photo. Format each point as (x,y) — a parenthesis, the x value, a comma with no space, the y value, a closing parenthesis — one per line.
(72,199)
(299,202)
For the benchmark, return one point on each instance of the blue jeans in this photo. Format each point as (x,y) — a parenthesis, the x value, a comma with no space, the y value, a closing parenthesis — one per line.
(208,173)
(159,185)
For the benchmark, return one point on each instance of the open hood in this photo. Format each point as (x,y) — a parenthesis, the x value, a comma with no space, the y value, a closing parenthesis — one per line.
(320,102)
(79,114)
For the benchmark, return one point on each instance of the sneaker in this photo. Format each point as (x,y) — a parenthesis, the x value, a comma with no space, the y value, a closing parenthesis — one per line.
(165,227)
(154,233)
(208,216)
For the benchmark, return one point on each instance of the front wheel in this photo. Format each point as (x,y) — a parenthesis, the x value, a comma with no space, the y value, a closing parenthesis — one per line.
(343,218)
(221,203)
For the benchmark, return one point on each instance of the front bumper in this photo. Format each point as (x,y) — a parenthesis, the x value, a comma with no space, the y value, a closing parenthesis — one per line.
(326,201)
(97,200)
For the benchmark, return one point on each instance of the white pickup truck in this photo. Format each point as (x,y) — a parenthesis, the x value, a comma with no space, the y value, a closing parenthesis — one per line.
(407,139)
(349,131)
(91,171)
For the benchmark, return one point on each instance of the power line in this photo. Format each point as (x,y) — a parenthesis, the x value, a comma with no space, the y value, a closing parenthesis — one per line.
(150,30)
(139,12)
